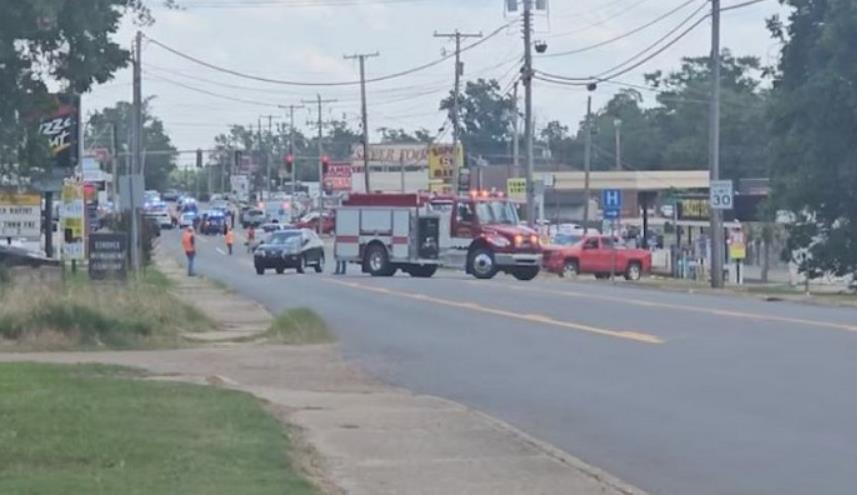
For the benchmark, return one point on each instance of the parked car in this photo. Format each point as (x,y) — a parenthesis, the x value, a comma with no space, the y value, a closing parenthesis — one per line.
(187,219)
(596,255)
(170,195)
(293,248)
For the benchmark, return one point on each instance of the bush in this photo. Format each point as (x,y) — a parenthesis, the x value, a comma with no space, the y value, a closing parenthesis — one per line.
(299,326)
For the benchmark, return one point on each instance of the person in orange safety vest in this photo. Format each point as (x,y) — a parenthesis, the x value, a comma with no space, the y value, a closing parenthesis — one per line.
(189,246)
(230,240)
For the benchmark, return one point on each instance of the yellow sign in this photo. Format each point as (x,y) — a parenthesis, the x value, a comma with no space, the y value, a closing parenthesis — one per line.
(73,221)
(737,245)
(20,214)
(441,166)
(516,189)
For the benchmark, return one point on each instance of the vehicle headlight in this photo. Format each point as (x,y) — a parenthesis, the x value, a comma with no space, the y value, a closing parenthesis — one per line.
(519,240)
(498,241)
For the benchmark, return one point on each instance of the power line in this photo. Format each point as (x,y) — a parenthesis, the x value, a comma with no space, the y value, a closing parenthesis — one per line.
(294,4)
(621,36)
(326,84)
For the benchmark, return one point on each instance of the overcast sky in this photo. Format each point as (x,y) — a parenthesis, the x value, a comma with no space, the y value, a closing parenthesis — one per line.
(305,40)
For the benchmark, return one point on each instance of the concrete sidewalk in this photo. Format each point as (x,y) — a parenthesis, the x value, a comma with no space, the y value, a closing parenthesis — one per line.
(368,439)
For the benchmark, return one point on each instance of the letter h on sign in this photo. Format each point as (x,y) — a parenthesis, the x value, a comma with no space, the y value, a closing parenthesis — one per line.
(611,199)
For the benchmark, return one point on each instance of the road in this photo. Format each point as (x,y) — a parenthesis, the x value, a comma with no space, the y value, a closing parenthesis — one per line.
(675,393)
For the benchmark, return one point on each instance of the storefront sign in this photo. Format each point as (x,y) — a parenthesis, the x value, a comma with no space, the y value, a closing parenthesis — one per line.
(20,215)
(108,255)
(73,221)
(441,165)
(61,130)
(338,177)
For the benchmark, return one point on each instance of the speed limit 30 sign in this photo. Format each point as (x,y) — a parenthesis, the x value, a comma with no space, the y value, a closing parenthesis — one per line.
(722,195)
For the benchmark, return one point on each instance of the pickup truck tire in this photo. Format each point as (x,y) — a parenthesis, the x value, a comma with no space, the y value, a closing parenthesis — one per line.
(376,261)
(634,271)
(525,273)
(570,269)
(260,270)
(421,271)
(481,264)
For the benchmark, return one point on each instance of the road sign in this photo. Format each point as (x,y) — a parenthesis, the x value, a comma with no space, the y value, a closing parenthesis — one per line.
(108,254)
(611,203)
(722,195)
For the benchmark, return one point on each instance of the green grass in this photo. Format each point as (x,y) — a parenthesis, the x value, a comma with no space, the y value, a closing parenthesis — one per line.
(141,313)
(97,430)
(299,327)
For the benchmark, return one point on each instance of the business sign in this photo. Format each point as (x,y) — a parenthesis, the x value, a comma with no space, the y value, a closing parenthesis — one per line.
(516,189)
(391,155)
(722,194)
(611,203)
(442,159)
(693,209)
(20,215)
(338,177)
(240,187)
(108,255)
(737,245)
(61,130)
(73,221)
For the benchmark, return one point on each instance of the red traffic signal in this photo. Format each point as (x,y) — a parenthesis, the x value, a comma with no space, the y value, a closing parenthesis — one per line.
(289,162)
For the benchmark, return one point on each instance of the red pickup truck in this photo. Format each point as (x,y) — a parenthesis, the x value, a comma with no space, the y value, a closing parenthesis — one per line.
(595,254)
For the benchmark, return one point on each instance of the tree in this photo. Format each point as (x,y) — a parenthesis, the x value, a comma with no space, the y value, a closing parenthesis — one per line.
(814,121)
(681,118)
(52,40)
(160,154)
(485,116)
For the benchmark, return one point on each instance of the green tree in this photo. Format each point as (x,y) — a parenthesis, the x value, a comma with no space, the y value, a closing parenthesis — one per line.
(161,154)
(65,41)
(485,115)
(814,115)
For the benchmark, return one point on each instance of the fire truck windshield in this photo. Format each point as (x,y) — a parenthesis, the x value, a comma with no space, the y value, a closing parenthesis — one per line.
(497,212)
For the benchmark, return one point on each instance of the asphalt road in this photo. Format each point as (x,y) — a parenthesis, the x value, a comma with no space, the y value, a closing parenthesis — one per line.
(677,394)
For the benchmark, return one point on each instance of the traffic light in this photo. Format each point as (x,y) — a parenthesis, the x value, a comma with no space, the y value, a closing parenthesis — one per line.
(325,164)
(198,158)
(289,162)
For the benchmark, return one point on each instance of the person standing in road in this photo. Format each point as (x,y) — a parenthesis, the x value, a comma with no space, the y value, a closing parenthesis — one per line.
(230,240)
(189,246)
(251,238)
(341,264)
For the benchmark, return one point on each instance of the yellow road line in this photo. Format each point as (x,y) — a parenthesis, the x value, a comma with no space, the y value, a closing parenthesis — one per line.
(531,318)
(680,307)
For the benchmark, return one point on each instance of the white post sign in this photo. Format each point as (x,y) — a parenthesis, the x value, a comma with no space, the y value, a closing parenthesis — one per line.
(722,195)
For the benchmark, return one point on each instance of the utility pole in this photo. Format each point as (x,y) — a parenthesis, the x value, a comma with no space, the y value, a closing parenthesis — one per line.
(114,164)
(714,148)
(528,109)
(587,164)
(137,144)
(365,115)
(516,163)
(267,153)
(292,152)
(617,125)
(320,102)
(456,114)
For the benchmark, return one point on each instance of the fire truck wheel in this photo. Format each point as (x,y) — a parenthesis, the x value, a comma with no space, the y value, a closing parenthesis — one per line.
(525,273)
(377,261)
(422,271)
(481,263)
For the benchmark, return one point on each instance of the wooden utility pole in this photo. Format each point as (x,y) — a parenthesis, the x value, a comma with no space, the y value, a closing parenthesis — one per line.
(365,116)
(456,119)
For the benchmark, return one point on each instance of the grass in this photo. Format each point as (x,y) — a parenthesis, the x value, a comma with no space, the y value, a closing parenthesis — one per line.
(98,430)
(299,326)
(141,313)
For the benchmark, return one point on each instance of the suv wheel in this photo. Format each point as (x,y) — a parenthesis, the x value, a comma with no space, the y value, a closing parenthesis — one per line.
(570,269)
(634,272)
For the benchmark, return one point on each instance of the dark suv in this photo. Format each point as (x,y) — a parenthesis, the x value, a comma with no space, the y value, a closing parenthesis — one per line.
(293,248)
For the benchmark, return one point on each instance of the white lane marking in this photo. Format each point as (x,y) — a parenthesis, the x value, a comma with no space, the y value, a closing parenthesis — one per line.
(220,251)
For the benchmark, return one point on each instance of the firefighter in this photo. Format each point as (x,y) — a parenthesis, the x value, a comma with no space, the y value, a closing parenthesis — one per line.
(189,246)
(230,240)
(341,264)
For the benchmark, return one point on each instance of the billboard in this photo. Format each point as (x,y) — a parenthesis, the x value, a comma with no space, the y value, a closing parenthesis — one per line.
(391,155)
(61,129)
(20,214)
(338,177)
(441,166)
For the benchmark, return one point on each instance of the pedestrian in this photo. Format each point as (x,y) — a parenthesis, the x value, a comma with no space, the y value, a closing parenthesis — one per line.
(189,246)
(251,238)
(341,264)
(230,240)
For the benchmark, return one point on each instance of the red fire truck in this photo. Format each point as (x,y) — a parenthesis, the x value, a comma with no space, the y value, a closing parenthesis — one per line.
(479,233)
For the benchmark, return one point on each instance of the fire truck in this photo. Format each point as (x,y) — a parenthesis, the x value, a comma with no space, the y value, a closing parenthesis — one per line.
(479,233)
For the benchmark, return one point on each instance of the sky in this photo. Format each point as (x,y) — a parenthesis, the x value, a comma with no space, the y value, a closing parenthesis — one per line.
(306,40)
